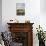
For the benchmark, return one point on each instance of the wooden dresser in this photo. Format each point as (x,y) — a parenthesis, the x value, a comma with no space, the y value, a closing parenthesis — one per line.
(22,33)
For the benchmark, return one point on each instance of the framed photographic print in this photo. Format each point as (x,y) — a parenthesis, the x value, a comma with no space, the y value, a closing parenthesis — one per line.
(20,9)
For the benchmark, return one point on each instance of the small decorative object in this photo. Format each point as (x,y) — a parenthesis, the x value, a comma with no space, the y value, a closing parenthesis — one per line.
(20,8)
(27,21)
(14,21)
(41,36)
(11,20)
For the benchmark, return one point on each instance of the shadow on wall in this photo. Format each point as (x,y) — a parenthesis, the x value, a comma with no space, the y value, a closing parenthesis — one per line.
(0,15)
(43,6)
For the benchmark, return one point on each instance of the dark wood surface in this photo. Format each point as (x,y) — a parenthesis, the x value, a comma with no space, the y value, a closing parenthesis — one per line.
(23,27)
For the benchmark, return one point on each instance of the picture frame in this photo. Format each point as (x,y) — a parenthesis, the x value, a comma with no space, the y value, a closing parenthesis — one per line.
(20,9)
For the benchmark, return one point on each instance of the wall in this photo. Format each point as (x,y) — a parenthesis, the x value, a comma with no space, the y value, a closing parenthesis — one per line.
(0,15)
(43,14)
(43,6)
(33,12)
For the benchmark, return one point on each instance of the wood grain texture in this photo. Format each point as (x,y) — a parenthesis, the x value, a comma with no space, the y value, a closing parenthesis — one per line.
(23,27)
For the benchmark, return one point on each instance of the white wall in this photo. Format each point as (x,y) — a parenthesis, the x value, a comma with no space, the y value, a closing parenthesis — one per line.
(43,14)
(33,13)
(43,6)
(32,10)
